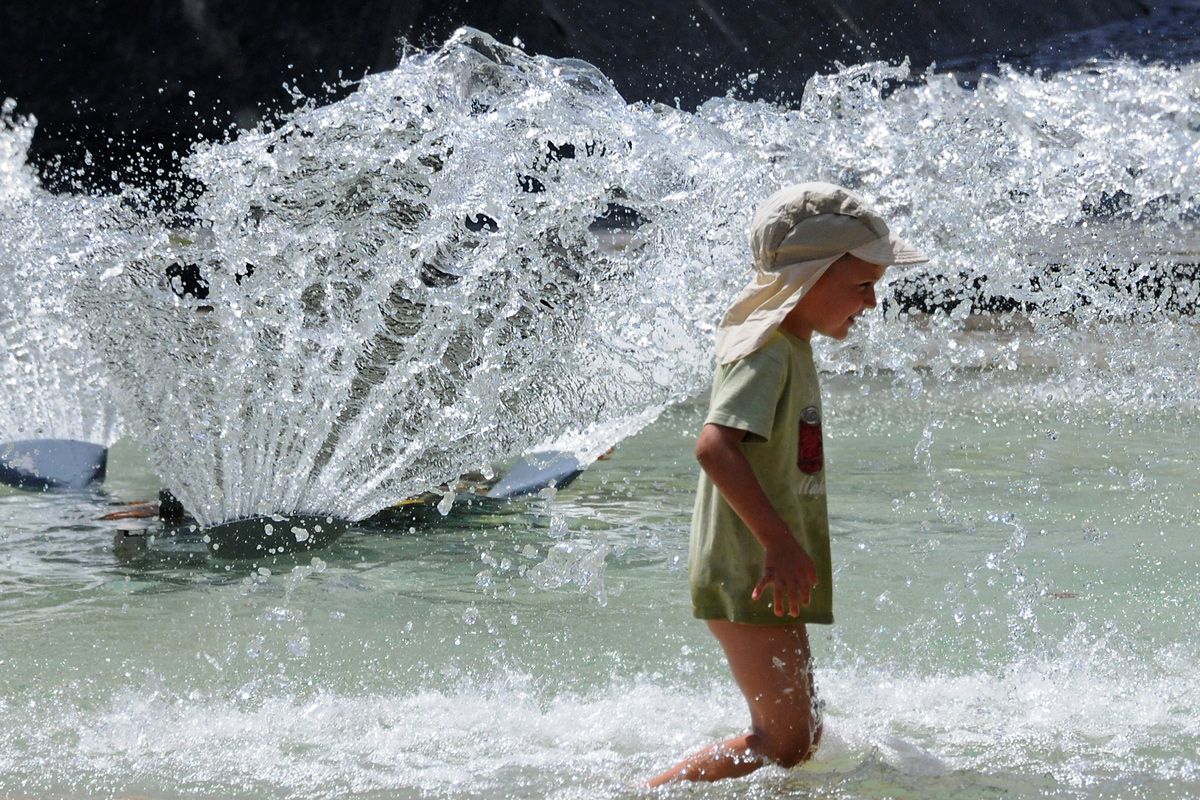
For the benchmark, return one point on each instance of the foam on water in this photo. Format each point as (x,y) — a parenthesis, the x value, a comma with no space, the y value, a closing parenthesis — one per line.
(489,740)
(1073,716)
(1071,719)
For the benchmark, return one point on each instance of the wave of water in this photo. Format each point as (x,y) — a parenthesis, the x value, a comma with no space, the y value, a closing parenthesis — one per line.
(481,251)
(1073,725)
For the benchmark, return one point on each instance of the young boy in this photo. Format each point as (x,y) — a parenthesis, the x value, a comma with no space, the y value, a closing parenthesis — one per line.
(760,566)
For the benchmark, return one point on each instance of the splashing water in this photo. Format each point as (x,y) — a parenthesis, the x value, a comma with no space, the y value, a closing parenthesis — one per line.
(1011,441)
(482,251)
(52,385)
(1063,229)
(17,179)
(411,284)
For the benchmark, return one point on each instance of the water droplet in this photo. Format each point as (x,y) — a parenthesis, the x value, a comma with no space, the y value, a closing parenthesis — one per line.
(299,645)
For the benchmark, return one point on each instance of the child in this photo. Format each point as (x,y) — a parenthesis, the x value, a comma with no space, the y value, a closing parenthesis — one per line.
(760,566)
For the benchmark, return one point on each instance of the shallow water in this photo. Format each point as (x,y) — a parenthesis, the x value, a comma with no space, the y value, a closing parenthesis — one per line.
(1014,594)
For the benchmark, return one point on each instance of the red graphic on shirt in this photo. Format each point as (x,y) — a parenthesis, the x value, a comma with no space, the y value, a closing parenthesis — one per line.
(811,455)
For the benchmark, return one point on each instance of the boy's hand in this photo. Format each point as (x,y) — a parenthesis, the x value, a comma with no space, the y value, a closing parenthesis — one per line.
(791,570)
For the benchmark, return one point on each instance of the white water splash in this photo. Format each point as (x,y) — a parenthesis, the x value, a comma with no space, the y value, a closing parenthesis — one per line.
(52,385)
(424,279)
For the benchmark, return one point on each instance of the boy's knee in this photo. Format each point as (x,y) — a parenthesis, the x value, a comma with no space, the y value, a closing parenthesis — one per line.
(797,753)
(793,747)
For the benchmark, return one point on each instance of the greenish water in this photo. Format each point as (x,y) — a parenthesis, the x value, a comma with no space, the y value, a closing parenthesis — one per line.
(1014,595)
(437,285)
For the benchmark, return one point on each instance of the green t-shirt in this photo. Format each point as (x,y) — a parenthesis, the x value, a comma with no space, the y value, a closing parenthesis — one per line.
(773,395)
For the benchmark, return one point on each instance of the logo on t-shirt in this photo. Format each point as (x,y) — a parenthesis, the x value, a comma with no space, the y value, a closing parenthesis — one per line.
(811,455)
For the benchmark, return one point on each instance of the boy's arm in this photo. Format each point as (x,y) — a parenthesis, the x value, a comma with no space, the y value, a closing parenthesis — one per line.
(786,565)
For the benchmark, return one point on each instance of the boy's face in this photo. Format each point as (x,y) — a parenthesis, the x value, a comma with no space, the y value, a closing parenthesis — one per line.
(845,290)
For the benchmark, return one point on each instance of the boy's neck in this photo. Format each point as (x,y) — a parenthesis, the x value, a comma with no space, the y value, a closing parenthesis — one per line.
(792,334)
(791,324)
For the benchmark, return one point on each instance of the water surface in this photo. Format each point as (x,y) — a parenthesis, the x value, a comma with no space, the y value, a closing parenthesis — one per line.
(1014,595)
(1013,486)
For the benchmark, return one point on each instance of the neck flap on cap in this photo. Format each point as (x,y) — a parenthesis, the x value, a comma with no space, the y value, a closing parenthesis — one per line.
(795,235)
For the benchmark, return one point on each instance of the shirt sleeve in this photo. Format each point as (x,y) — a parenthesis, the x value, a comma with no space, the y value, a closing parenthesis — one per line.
(746,392)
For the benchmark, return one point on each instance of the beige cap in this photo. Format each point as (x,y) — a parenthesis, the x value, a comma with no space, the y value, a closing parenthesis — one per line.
(795,236)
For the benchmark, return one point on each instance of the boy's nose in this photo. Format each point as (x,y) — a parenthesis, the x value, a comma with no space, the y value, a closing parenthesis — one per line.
(869,298)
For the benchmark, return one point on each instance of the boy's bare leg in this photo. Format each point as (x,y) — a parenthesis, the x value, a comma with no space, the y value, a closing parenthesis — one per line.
(772,665)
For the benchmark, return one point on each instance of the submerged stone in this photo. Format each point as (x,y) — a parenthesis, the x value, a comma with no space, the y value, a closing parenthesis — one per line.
(41,464)
(256,537)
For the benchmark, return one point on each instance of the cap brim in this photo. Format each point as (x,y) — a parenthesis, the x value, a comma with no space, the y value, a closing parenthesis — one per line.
(889,250)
